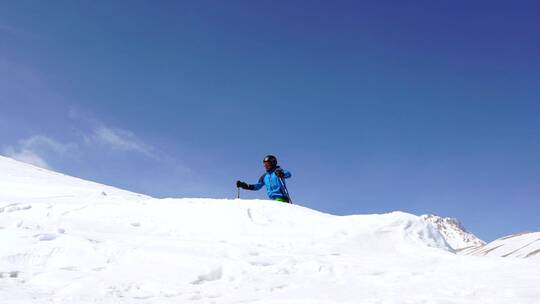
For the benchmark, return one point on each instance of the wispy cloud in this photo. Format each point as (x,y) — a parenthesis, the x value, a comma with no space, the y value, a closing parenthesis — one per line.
(44,142)
(26,156)
(32,150)
(116,139)
(38,149)
(90,136)
(120,140)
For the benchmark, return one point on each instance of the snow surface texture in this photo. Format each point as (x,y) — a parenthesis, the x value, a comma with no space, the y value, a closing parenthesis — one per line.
(65,240)
(523,245)
(454,233)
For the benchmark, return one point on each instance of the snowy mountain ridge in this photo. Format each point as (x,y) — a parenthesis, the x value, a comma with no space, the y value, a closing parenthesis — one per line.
(21,181)
(521,245)
(66,240)
(453,231)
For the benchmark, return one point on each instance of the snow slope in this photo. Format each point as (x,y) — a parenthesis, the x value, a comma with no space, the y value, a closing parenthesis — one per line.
(522,245)
(454,233)
(66,240)
(20,181)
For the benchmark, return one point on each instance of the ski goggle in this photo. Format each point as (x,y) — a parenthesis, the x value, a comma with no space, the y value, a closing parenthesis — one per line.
(270,160)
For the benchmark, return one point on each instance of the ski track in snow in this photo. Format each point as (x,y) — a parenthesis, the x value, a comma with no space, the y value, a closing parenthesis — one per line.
(78,245)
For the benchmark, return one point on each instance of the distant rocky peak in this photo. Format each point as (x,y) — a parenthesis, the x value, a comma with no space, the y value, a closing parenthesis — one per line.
(454,232)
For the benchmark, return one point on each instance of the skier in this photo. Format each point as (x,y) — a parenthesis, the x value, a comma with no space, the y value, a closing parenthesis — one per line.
(273,179)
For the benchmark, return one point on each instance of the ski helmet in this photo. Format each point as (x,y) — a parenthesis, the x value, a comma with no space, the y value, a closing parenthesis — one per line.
(270,159)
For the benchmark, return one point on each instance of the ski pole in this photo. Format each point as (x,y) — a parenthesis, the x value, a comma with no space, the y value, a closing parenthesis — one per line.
(286,190)
(238,195)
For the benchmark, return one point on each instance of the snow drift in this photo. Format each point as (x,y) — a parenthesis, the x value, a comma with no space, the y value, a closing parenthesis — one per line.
(66,240)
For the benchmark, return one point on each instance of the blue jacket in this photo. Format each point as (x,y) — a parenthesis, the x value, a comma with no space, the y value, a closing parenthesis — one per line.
(274,188)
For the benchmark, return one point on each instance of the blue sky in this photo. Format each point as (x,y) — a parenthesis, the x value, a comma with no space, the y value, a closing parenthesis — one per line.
(374,106)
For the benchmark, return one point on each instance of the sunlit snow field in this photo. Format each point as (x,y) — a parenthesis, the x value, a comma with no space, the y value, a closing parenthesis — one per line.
(66,240)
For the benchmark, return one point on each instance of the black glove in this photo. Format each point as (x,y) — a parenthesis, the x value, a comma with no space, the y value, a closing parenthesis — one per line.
(242,185)
(280,173)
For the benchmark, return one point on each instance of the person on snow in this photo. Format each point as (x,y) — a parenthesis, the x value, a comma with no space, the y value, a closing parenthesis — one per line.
(274,179)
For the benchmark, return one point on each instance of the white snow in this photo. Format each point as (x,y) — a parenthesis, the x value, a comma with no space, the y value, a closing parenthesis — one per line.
(522,245)
(63,241)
